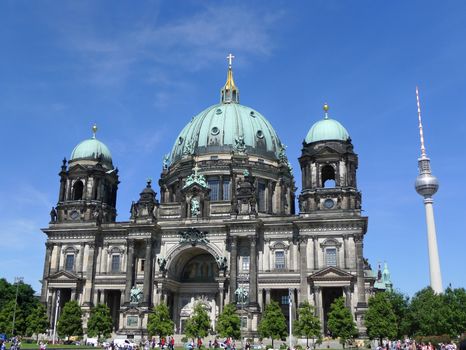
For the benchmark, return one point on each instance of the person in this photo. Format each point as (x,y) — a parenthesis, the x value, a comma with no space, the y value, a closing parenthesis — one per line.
(210,343)
(462,345)
(199,343)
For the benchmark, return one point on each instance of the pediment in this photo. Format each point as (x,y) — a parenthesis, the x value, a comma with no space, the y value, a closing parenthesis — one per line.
(64,276)
(195,188)
(326,150)
(331,273)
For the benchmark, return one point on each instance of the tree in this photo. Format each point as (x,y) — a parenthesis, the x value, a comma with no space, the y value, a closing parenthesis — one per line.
(100,322)
(25,304)
(426,314)
(160,322)
(37,321)
(307,325)
(273,323)
(400,304)
(340,321)
(229,323)
(380,319)
(198,325)
(455,302)
(70,321)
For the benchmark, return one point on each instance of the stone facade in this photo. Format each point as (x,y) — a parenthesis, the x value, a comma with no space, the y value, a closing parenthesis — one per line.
(225,220)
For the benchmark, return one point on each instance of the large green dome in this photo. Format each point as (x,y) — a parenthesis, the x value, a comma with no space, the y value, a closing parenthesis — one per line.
(226,127)
(327,129)
(92,149)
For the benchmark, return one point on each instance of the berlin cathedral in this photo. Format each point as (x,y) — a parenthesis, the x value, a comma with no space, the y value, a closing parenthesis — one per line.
(224,229)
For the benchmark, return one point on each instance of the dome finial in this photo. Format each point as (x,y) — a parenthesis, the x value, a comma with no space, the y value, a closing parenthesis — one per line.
(326,108)
(230,93)
(94,130)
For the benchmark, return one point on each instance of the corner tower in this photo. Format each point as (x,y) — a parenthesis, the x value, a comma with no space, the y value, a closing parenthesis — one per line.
(88,185)
(328,166)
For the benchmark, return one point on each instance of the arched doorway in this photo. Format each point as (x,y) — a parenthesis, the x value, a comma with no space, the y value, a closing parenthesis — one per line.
(192,278)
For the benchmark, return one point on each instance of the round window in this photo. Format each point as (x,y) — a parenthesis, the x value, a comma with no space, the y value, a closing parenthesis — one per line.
(218,111)
(252,114)
(215,131)
(260,134)
(329,203)
(180,140)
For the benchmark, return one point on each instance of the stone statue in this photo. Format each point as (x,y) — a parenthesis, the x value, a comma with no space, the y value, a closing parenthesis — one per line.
(195,207)
(135,295)
(240,146)
(134,210)
(193,236)
(53,215)
(162,264)
(188,148)
(166,161)
(222,263)
(241,295)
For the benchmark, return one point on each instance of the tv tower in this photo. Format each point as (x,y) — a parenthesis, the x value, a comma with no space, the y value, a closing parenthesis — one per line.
(427,185)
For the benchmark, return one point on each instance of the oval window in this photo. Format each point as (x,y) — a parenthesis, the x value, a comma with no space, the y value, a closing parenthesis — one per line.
(218,111)
(260,134)
(180,140)
(252,114)
(215,131)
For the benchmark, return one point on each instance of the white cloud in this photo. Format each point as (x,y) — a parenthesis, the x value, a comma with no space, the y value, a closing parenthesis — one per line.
(191,42)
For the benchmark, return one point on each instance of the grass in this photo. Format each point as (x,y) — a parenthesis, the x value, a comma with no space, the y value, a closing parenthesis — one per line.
(56,346)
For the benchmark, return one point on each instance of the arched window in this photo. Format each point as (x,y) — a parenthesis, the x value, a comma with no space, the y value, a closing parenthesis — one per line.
(78,188)
(69,262)
(328,176)
(116,263)
(261,204)
(214,185)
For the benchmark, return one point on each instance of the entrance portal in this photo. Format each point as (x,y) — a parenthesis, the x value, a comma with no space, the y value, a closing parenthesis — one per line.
(328,297)
(193,280)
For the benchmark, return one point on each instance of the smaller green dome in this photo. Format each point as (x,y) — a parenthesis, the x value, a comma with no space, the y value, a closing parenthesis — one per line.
(92,149)
(327,129)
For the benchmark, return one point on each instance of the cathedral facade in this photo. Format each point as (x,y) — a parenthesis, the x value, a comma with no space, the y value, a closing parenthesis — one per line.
(224,230)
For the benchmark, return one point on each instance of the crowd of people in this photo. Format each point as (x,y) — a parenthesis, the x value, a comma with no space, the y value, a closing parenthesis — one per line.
(410,344)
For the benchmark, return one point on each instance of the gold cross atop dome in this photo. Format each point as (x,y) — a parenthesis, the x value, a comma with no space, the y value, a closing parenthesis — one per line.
(229,92)
(230,59)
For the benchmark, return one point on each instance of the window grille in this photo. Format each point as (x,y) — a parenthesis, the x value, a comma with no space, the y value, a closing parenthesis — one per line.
(115,263)
(331,256)
(279,260)
(69,263)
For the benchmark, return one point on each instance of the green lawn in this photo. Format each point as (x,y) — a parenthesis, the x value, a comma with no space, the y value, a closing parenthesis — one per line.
(56,346)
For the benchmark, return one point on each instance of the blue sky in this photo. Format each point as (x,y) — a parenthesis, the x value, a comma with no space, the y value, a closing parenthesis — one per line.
(141,70)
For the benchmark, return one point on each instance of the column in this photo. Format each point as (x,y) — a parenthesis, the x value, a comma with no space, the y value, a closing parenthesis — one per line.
(267,296)
(220,297)
(89,273)
(316,256)
(233,269)
(104,260)
(266,266)
(303,269)
(360,271)
(253,273)
(81,259)
(73,293)
(46,272)
(345,251)
(58,257)
(291,256)
(260,295)
(318,304)
(147,272)
(347,291)
(129,270)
